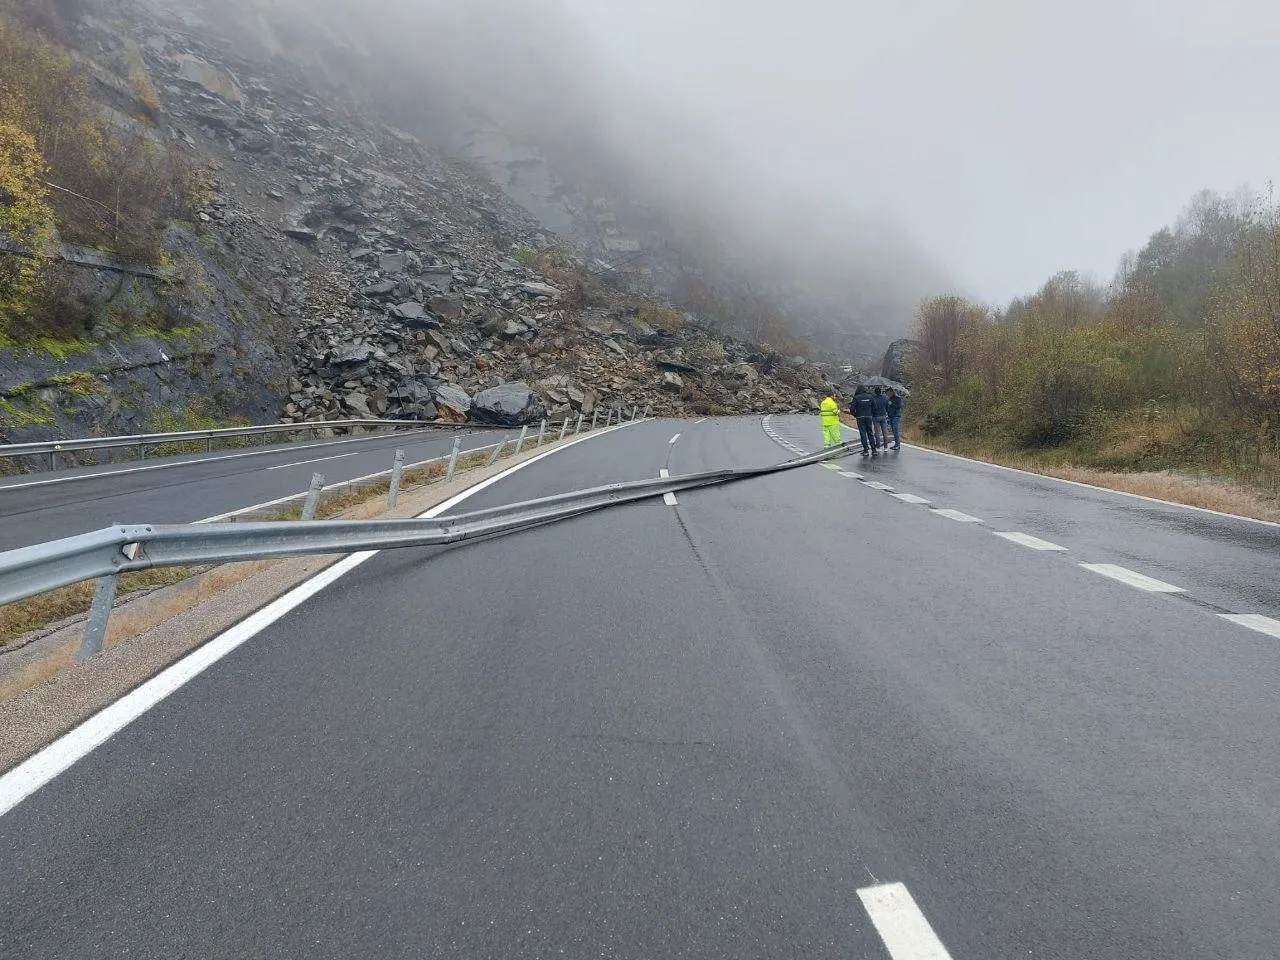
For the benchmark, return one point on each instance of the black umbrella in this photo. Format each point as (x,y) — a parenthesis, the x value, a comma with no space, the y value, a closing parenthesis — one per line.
(884,382)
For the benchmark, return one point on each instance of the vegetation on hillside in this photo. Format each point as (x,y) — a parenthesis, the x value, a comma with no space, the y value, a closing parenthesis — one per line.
(1174,365)
(68,167)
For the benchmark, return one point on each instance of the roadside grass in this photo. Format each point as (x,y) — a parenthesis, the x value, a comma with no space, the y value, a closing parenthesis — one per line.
(35,613)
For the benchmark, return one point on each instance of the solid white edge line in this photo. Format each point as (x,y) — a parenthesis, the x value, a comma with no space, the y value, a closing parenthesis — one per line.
(282,448)
(1027,540)
(1091,486)
(1254,621)
(902,926)
(303,463)
(957,516)
(1131,578)
(37,770)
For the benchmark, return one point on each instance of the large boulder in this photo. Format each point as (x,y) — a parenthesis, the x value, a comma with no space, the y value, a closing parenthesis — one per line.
(898,358)
(508,405)
(452,401)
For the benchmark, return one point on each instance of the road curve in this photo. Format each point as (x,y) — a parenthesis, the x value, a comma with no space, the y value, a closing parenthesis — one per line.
(728,727)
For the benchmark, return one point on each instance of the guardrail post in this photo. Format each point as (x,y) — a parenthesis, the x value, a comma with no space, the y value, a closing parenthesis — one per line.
(142,451)
(578,429)
(453,458)
(645,415)
(635,410)
(313,497)
(608,416)
(524,432)
(95,631)
(497,451)
(542,430)
(397,471)
(564,427)
(53,460)
(208,444)
(595,416)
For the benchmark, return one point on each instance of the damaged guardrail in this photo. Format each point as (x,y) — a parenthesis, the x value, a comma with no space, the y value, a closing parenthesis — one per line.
(104,555)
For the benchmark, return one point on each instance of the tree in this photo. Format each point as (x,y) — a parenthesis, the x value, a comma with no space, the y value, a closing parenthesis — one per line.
(944,325)
(26,219)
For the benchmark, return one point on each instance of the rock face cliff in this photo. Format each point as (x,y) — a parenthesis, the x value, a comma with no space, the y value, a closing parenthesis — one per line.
(340,267)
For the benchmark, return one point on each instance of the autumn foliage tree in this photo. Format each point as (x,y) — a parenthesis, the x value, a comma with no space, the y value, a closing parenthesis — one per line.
(26,219)
(1182,349)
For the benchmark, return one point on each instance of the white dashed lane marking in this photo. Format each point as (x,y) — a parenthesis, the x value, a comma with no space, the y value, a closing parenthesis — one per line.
(674,439)
(909,498)
(1026,540)
(832,466)
(850,474)
(1255,621)
(877,485)
(1128,577)
(303,463)
(957,516)
(906,933)
(668,498)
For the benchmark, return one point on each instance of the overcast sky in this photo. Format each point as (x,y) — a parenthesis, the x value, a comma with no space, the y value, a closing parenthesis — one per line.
(1012,138)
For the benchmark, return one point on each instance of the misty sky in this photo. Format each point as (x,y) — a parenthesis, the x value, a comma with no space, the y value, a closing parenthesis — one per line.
(1012,138)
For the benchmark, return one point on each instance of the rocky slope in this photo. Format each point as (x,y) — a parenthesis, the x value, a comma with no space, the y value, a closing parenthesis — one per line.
(348,270)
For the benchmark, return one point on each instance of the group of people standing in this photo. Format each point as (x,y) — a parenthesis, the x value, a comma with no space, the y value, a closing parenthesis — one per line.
(877,413)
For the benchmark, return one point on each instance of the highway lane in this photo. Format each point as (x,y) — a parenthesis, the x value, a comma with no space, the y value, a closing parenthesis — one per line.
(1230,564)
(44,507)
(702,730)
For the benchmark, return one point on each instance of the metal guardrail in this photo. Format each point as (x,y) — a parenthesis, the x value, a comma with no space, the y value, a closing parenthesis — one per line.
(104,555)
(37,569)
(42,567)
(52,448)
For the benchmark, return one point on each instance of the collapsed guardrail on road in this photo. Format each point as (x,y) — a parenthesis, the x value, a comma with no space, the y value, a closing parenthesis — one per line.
(104,555)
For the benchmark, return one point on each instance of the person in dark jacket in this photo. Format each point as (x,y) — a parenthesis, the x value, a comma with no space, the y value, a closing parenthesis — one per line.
(895,418)
(880,417)
(863,409)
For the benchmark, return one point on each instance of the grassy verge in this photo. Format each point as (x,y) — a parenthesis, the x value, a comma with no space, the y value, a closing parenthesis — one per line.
(18,619)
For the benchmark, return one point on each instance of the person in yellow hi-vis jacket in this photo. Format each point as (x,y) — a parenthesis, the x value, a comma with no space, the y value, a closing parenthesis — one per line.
(830,422)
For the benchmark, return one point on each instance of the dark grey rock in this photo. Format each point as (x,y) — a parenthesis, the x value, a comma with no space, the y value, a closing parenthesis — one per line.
(379,289)
(535,289)
(511,404)
(302,235)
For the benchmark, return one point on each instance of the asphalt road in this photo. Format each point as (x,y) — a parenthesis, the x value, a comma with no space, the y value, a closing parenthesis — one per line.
(713,729)
(46,506)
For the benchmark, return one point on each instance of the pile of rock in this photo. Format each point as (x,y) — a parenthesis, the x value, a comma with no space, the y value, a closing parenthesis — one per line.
(392,266)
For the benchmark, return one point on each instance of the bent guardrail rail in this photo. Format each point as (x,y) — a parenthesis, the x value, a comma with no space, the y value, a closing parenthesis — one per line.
(28,571)
(104,555)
